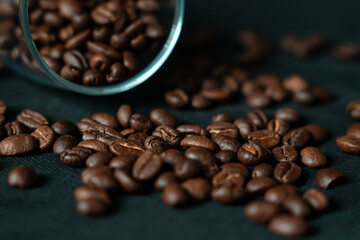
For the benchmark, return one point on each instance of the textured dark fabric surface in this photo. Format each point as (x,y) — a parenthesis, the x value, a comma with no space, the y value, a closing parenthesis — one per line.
(47,212)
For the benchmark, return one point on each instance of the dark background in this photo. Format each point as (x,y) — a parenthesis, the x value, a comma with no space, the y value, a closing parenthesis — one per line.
(47,212)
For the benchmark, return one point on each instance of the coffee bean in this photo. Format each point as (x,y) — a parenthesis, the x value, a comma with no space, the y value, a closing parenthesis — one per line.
(52,63)
(244,128)
(317,199)
(78,40)
(239,168)
(198,189)
(320,94)
(297,138)
(200,102)
(281,127)
(174,196)
(18,144)
(258,100)
(327,178)
(317,132)
(260,212)
(226,143)
(172,156)
(147,166)
(163,117)
(2,107)
(262,170)
(87,193)
(223,128)
(188,129)
(123,162)
(198,141)
(295,83)
(98,158)
(266,138)
(32,119)
(222,117)
(168,134)
(127,182)
(297,206)
(94,145)
(186,169)
(228,177)
(216,94)
(228,193)
(92,77)
(279,193)
(46,137)
(287,172)
(117,73)
(252,154)
(94,130)
(200,154)
(353,130)
(123,115)
(353,110)
(91,207)
(106,119)
(226,156)
(119,41)
(108,51)
(260,185)
(313,157)
(177,98)
(14,128)
(288,226)
(156,143)
(257,118)
(64,127)
(72,74)
(287,114)
(348,144)
(99,177)
(75,157)
(346,51)
(127,147)
(75,59)
(22,177)
(163,180)
(64,142)
(140,122)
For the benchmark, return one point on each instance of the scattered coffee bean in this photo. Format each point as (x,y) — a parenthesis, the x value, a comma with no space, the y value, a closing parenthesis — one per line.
(198,189)
(14,128)
(99,158)
(46,137)
(279,193)
(226,156)
(353,110)
(18,144)
(22,177)
(99,177)
(281,127)
(123,115)
(244,127)
(174,196)
(188,129)
(262,170)
(317,132)
(198,141)
(187,169)
(260,212)
(106,119)
(91,201)
(347,144)
(317,199)
(163,117)
(288,226)
(287,114)
(94,145)
(127,182)
(266,138)
(297,206)
(260,185)
(313,157)
(287,172)
(297,138)
(64,127)
(353,130)
(64,142)
(75,157)
(285,154)
(228,193)
(123,162)
(164,179)
(327,178)
(239,168)
(147,166)
(346,51)
(177,98)
(222,117)
(32,119)
(252,154)
(258,118)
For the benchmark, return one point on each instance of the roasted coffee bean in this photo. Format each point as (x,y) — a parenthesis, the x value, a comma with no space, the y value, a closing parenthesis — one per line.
(288,226)
(348,144)
(92,77)
(100,62)
(124,162)
(99,177)
(260,185)
(172,156)
(200,102)
(288,114)
(223,128)
(127,147)
(297,206)
(317,132)
(177,98)
(222,117)
(52,63)
(91,207)
(71,74)
(139,137)
(258,100)
(346,51)
(147,166)
(287,172)
(228,177)
(228,193)
(32,119)
(252,154)
(285,154)
(239,168)
(187,169)
(226,143)
(250,87)
(163,117)
(169,134)
(327,178)
(313,157)
(317,199)
(226,156)
(75,157)
(295,83)
(281,127)
(279,193)
(22,177)
(200,154)
(320,94)
(174,196)
(64,127)
(127,182)
(106,119)
(130,62)
(163,180)
(266,138)
(2,119)
(198,141)
(353,130)
(188,129)
(277,93)
(216,94)
(87,193)
(244,128)
(78,40)
(64,142)
(119,41)
(75,59)
(94,145)
(97,47)
(257,118)
(2,107)
(353,110)
(123,115)
(156,143)
(46,137)
(98,158)
(18,144)
(260,212)
(117,73)
(154,31)
(140,122)
(303,98)
(198,189)
(262,170)
(14,128)
(297,138)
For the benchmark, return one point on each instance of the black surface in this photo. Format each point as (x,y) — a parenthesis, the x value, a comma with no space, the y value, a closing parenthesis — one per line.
(47,212)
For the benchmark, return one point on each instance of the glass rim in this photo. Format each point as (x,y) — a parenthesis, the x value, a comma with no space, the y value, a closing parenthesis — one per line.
(124,86)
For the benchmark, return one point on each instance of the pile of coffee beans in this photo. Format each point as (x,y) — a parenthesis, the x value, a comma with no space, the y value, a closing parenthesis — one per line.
(95,42)
(350,143)
(230,161)
(225,83)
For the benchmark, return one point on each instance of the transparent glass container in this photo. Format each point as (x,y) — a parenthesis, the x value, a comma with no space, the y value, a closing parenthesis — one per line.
(19,52)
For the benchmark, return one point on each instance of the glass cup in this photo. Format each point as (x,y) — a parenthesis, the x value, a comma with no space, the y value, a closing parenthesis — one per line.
(19,53)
